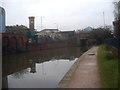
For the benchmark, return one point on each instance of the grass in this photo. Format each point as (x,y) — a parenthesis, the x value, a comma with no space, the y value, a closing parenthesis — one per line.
(108,68)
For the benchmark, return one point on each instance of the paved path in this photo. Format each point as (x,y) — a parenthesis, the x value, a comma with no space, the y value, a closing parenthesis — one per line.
(86,74)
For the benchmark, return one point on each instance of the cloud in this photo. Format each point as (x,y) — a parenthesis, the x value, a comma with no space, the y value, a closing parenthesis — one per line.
(69,14)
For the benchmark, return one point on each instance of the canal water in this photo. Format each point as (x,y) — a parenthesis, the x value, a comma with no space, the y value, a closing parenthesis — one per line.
(41,69)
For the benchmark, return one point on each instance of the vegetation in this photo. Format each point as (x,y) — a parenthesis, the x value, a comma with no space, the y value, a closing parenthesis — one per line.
(108,66)
(116,23)
(117,10)
(100,34)
(17,29)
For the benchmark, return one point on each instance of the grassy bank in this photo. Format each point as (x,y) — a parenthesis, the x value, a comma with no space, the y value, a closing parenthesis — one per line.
(108,66)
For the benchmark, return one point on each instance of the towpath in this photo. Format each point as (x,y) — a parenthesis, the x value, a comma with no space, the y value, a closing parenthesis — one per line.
(86,74)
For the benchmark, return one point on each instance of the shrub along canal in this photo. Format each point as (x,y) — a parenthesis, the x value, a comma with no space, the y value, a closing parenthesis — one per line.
(43,69)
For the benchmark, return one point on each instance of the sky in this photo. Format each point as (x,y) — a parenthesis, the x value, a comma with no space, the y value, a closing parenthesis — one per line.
(65,14)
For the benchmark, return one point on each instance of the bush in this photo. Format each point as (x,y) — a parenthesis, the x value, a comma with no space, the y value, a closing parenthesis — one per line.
(112,53)
(99,34)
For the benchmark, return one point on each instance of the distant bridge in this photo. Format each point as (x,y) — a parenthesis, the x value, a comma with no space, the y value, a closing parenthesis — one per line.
(82,38)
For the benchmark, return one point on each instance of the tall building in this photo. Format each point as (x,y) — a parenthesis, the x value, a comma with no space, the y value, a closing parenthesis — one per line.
(31,23)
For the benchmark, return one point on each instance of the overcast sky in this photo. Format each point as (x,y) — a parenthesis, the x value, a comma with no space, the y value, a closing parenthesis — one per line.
(68,14)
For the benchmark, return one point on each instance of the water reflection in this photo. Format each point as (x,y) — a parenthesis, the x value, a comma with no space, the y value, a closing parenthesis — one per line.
(38,69)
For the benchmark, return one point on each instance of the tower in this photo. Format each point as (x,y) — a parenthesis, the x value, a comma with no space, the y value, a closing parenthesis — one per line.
(31,23)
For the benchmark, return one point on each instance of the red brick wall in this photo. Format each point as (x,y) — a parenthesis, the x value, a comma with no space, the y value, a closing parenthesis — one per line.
(13,40)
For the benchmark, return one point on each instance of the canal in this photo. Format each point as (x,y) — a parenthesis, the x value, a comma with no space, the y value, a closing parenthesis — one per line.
(41,69)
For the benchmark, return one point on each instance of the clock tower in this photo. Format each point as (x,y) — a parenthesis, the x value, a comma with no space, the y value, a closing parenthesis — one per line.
(31,23)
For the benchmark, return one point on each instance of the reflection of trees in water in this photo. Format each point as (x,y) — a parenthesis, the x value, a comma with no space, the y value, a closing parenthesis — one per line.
(20,74)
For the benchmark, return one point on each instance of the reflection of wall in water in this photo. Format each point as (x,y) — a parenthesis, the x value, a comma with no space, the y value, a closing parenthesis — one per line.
(19,62)
(12,64)
(63,53)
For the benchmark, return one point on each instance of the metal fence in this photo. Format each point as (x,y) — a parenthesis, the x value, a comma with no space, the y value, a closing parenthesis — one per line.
(115,42)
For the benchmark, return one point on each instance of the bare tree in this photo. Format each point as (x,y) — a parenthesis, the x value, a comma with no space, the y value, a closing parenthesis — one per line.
(117,10)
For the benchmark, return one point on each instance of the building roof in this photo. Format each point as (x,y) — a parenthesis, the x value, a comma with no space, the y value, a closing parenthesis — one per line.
(82,31)
(66,31)
(88,28)
(49,31)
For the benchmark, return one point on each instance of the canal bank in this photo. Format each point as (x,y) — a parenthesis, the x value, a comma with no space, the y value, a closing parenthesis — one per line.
(83,73)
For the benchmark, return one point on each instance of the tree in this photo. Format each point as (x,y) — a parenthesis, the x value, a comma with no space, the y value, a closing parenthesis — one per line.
(116,23)
(99,34)
(17,29)
(117,10)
